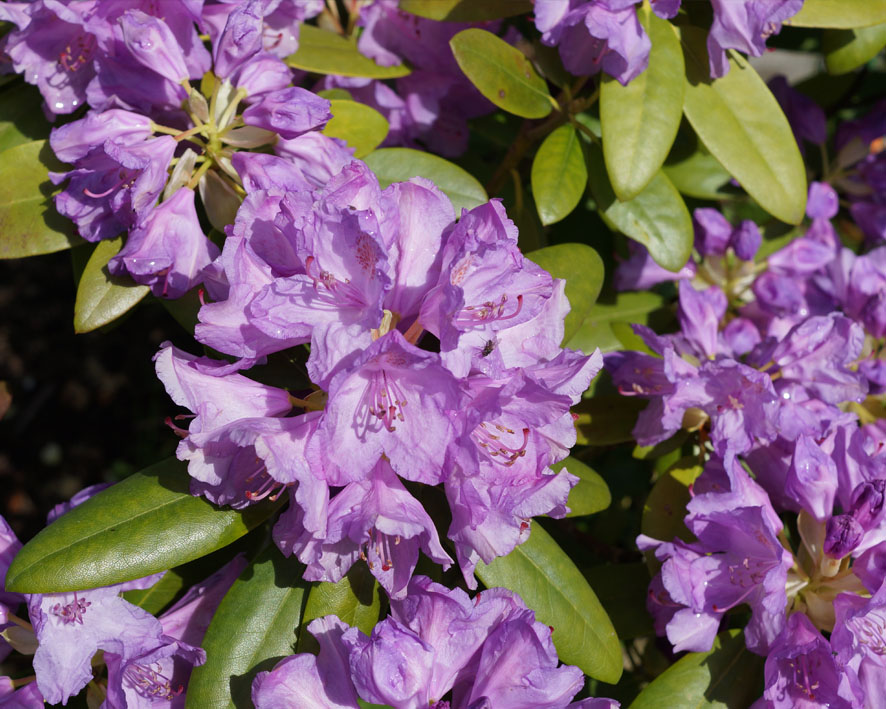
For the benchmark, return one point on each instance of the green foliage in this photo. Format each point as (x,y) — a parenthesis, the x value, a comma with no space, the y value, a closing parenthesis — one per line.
(845,50)
(596,331)
(698,175)
(622,589)
(728,676)
(640,121)
(158,596)
(101,297)
(550,584)
(840,14)
(741,124)
(502,73)
(254,628)
(21,116)
(29,224)
(559,175)
(590,494)
(360,126)
(582,269)
(401,164)
(466,10)
(147,523)
(326,53)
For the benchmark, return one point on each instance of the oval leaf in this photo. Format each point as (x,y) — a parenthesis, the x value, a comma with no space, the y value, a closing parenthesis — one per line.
(550,584)
(21,116)
(559,175)
(29,224)
(147,523)
(665,506)
(640,120)
(699,175)
(252,630)
(401,164)
(845,50)
(657,217)
(742,125)
(360,126)
(101,297)
(582,268)
(326,53)
(502,73)
(158,596)
(729,675)
(840,14)
(466,10)
(596,330)
(591,493)
(356,600)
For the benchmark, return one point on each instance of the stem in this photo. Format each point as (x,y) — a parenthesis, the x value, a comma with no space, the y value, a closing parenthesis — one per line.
(232,106)
(195,179)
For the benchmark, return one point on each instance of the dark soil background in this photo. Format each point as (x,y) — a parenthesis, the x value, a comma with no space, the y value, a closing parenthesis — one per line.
(75,410)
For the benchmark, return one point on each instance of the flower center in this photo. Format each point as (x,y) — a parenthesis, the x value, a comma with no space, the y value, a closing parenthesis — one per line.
(488,312)
(150,683)
(71,612)
(384,399)
(379,544)
(498,441)
(78,53)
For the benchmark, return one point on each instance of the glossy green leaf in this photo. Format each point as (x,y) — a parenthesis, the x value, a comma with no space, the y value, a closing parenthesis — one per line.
(360,126)
(840,14)
(254,627)
(728,676)
(657,217)
(559,175)
(607,419)
(101,297)
(744,128)
(147,523)
(29,224)
(501,73)
(640,120)
(400,164)
(356,600)
(324,52)
(21,116)
(583,271)
(699,175)
(596,330)
(845,50)
(622,589)
(158,596)
(665,506)
(466,10)
(591,493)
(550,584)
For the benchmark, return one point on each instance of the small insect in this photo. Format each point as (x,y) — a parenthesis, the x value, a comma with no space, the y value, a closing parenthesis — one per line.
(487,348)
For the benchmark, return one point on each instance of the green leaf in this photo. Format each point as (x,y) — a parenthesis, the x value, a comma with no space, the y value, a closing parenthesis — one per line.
(591,493)
(665,506)
(147,523)
(840,14)
(622,589)
(400,164)
(729,675)
(253,629)
(845,50)
(699,175)
(324,52)
(21,116)
(360,126)
(466,10)
(559,175)
(596,330)
(742,125)
(356,600)
(29,224)
(657,217)
(640,120)
(607,419)
(158,596)
(101,297)
(550,584)
(583,271)
(502,73)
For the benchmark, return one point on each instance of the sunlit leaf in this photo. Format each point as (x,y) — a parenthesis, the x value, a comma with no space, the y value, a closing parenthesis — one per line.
(466,10)
(845,50)
(559,175)
(596,329)
(591,493)
(840,14)
(324,52)
(360,126)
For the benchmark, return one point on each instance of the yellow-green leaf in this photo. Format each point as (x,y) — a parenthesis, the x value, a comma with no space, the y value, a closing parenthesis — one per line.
(360,126)
(840,14)
(501,73)
(559,175)
(466,10)
(21,115)
(596,330)
(324,52)
(29,224)
(640,120)
(101,297)
(590,494)
(744,128)
(845,50)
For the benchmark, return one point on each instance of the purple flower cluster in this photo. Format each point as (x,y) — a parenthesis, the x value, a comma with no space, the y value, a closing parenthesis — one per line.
(487,652)
(605,35)
(434,358)
(772,367)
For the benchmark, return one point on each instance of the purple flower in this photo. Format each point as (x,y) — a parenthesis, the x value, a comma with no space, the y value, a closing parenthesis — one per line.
(288,112)
(806,117)
(153,45)
(640,272)
(859,642)
(168,251)
(74,140)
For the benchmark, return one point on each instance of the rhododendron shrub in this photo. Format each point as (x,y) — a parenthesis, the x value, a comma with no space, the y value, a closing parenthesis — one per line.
(528,353)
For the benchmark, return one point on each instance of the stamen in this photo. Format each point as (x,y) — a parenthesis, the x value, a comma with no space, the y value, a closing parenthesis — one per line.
(150,683)
(77,54)
(495,447)
(72,612)
(488,311)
